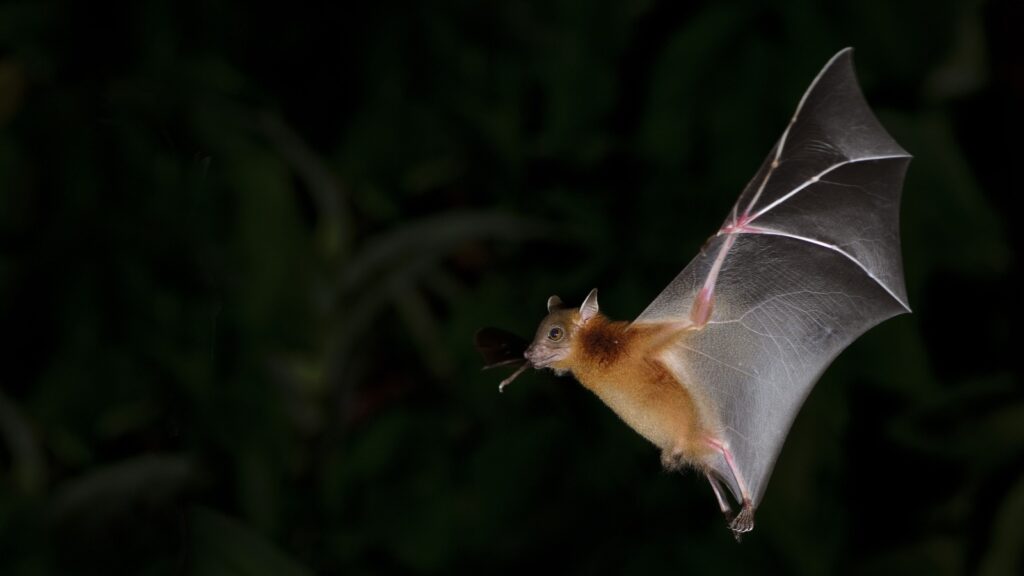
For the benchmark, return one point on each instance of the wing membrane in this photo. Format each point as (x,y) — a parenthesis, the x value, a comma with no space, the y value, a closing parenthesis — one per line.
(808,260)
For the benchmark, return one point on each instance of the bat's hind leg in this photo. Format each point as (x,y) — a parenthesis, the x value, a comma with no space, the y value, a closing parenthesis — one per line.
(723,501)
(743,522)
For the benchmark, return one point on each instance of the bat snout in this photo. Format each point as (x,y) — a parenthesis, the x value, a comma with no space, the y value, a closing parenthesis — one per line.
(531,355)
(540,356)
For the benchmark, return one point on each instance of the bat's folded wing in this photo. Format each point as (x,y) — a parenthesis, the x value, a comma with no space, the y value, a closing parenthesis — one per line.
(808,260)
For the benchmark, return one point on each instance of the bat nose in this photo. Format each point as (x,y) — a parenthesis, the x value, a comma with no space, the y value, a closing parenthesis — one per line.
(531,355)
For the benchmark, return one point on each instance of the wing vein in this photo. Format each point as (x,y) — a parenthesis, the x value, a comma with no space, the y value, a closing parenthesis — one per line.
(834,248)
(814,179)
(785,133)
(719,361)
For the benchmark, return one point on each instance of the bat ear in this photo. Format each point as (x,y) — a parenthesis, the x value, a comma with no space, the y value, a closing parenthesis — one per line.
(589,307)
(554,302)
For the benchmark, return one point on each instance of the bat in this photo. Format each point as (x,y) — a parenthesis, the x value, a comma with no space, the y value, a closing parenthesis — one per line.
(715,369)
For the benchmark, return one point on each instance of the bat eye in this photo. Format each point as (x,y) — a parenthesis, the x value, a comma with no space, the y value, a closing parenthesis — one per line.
(555,334)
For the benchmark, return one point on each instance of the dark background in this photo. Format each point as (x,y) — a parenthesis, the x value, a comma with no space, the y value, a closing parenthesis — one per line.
(245,249)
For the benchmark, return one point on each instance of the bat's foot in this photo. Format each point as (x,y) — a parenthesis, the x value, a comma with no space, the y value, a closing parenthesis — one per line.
(744,521)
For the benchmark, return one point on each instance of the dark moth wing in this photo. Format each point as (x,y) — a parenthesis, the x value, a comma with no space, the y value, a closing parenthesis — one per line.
(807,261)
(500,347)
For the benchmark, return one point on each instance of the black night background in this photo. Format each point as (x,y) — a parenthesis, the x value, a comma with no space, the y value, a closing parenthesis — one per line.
(244,250)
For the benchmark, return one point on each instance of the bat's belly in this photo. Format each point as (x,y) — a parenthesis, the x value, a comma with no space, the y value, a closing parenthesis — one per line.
(650,400)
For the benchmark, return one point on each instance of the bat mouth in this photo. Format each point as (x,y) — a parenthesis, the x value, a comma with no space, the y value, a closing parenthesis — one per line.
(541,362)
(532,361)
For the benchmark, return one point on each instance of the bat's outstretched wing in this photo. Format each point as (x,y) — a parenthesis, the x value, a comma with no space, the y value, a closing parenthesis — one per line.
(807,261)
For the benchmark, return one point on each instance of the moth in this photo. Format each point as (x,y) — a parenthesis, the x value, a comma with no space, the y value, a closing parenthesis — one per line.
(715,369)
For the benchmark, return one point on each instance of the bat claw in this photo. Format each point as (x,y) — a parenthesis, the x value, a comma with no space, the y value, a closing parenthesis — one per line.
(743,522)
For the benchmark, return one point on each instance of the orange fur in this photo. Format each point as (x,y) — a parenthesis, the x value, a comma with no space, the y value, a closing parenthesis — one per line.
(619,362)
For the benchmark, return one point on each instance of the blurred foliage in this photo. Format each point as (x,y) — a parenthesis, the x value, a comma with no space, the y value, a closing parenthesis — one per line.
(245,250)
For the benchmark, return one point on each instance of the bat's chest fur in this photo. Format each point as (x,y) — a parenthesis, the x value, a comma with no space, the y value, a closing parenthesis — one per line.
(620,365)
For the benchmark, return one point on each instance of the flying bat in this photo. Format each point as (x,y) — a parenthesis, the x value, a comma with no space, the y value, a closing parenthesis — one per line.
(715,369)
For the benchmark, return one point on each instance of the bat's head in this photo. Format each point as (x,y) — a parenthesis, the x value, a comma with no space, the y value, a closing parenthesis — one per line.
(552,345)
